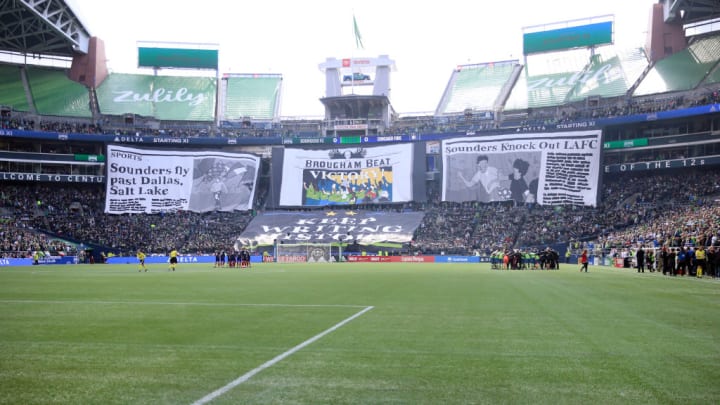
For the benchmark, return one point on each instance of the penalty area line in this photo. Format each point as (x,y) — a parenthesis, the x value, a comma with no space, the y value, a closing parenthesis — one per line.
(243,378)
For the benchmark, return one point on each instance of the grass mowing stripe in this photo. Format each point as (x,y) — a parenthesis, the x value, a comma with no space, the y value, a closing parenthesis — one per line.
(209,397)
(207,304)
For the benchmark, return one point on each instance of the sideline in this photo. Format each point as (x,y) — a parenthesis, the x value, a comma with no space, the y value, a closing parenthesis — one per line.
(220,391)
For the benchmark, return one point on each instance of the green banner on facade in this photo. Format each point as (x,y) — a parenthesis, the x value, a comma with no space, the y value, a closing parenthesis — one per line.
(629,143)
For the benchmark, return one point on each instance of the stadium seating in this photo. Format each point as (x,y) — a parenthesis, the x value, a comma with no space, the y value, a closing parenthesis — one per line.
(632,207)
(251,97)
(12,90)
(476,87)
(611,73)
(714,76)
(53,93)
(547,79)
(117,82)
(550,88)
(683,70)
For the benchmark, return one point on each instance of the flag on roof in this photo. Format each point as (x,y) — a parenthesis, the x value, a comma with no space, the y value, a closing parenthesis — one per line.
(358,37)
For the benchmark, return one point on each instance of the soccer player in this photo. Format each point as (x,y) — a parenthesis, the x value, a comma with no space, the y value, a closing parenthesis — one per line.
(245,258)
(217,258)
(173,259)
(223,258)
(584,261)
(141,261)
(232,259)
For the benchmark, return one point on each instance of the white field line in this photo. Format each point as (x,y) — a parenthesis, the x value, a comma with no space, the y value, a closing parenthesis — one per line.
(206,304)
(220,391)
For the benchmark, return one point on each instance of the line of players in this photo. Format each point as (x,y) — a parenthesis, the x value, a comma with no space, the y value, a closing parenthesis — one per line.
(547,259)
(239,259)
(236,259)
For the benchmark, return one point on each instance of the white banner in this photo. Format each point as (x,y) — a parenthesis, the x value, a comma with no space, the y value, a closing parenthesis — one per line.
(560,168)
(154,181)
(347,175)
(326,226)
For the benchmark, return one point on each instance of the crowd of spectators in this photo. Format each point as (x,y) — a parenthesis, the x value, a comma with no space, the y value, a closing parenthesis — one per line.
(34,213)
(671,211)
(55,124)
(691,225)
(17,242)
(628,205)
(464,228)
(661,208)
(541,119)
(627,202)
(18,237)
(525,120)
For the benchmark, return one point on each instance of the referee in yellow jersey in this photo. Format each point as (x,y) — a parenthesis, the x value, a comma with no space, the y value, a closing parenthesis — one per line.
(173,259)
(141,261)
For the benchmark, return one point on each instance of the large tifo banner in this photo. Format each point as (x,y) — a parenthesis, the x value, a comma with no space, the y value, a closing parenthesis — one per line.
(344,176)
(365,227)
(547,168)
(154,181)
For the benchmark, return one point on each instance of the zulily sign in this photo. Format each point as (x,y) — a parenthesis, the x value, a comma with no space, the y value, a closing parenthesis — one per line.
(162,97)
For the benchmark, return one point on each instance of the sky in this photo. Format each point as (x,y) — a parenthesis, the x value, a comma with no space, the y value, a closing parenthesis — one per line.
(426,40)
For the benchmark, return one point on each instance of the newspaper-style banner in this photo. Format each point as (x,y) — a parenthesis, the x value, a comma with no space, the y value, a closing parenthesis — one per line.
(348,226)
(155,181)
(547,168)
(358,175)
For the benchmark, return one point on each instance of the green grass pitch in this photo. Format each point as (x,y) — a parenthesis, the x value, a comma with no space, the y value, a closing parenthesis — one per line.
(285,334)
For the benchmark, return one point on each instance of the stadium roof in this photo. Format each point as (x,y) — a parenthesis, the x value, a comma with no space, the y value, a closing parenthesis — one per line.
(690,11)
(41,27)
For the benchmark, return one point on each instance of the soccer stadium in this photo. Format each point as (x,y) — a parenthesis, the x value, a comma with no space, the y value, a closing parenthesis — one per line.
(549,234)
